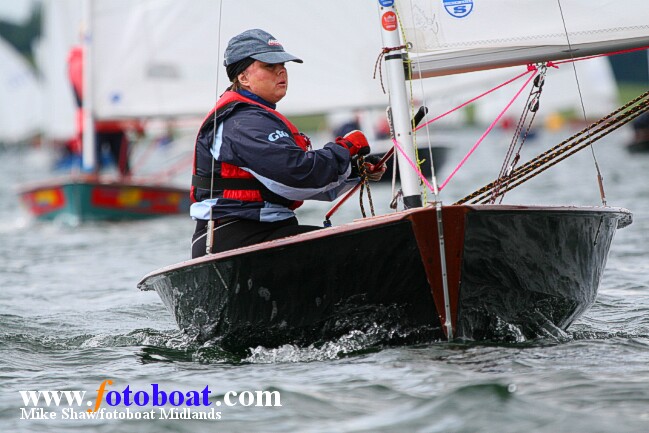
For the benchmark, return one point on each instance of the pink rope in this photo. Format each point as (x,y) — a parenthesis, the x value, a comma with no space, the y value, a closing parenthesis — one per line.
(489,129)
(530,68)
(412,164)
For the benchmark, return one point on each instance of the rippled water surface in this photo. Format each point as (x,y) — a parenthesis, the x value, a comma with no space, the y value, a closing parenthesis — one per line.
(71,317)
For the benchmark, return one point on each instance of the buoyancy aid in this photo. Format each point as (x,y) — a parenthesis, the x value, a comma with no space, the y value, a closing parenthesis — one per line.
(227,180)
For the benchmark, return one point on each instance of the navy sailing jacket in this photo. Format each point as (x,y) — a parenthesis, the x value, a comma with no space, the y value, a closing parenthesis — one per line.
(251,137)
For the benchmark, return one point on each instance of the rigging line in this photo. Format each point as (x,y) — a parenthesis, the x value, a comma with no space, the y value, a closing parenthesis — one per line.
(216,93)
(487,131)
(518,139)
(600,179)
(600,128)
(412,164)
(516,135)
(209,239)
(365,185)
(547,164)
(464,104)
(395,161)
(603,123)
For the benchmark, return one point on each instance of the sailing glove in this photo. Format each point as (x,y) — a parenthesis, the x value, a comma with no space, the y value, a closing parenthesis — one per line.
(355,142)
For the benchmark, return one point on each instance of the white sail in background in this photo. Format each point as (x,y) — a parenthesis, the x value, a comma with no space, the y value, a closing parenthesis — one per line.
(453,36)
(153,58)
(160,58)
(61,30)
(20,96)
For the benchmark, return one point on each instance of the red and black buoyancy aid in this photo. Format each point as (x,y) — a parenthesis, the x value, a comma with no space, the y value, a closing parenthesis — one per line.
(227,180)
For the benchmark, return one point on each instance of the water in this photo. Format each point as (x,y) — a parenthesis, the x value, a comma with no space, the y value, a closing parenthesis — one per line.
(71,317)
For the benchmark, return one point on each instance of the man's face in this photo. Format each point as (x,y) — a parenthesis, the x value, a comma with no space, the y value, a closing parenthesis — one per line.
(268,81)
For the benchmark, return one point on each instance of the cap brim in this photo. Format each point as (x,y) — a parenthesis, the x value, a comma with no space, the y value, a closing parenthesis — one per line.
(273,57)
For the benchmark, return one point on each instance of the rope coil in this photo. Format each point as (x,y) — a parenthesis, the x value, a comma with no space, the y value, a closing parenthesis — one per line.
(364,185)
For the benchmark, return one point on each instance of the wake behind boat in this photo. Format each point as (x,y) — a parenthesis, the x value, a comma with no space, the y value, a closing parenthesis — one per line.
(428,271)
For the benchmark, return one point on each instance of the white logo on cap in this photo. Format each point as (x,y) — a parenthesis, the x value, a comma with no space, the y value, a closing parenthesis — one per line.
(274,42)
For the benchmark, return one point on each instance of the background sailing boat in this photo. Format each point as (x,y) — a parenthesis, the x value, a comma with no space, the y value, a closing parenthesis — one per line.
(88,194)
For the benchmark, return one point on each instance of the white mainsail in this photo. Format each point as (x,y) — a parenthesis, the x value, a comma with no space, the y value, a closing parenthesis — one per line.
(454,36)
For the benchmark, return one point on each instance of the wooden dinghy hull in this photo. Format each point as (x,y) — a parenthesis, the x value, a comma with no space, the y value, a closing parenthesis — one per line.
(517,265)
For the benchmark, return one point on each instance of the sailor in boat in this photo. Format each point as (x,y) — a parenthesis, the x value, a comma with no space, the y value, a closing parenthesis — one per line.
(111,137)
(252,167)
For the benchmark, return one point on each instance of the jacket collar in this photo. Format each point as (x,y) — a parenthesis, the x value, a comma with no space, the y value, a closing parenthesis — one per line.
(254,97)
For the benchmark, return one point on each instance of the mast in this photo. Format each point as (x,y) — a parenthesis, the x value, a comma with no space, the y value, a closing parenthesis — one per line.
(88,149)
(402,128)
(401,122)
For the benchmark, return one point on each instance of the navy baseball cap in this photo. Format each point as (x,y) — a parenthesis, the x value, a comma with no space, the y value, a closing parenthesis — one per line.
(259,45)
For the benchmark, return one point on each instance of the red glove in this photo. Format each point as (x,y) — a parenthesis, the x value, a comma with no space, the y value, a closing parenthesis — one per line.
(355,142)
